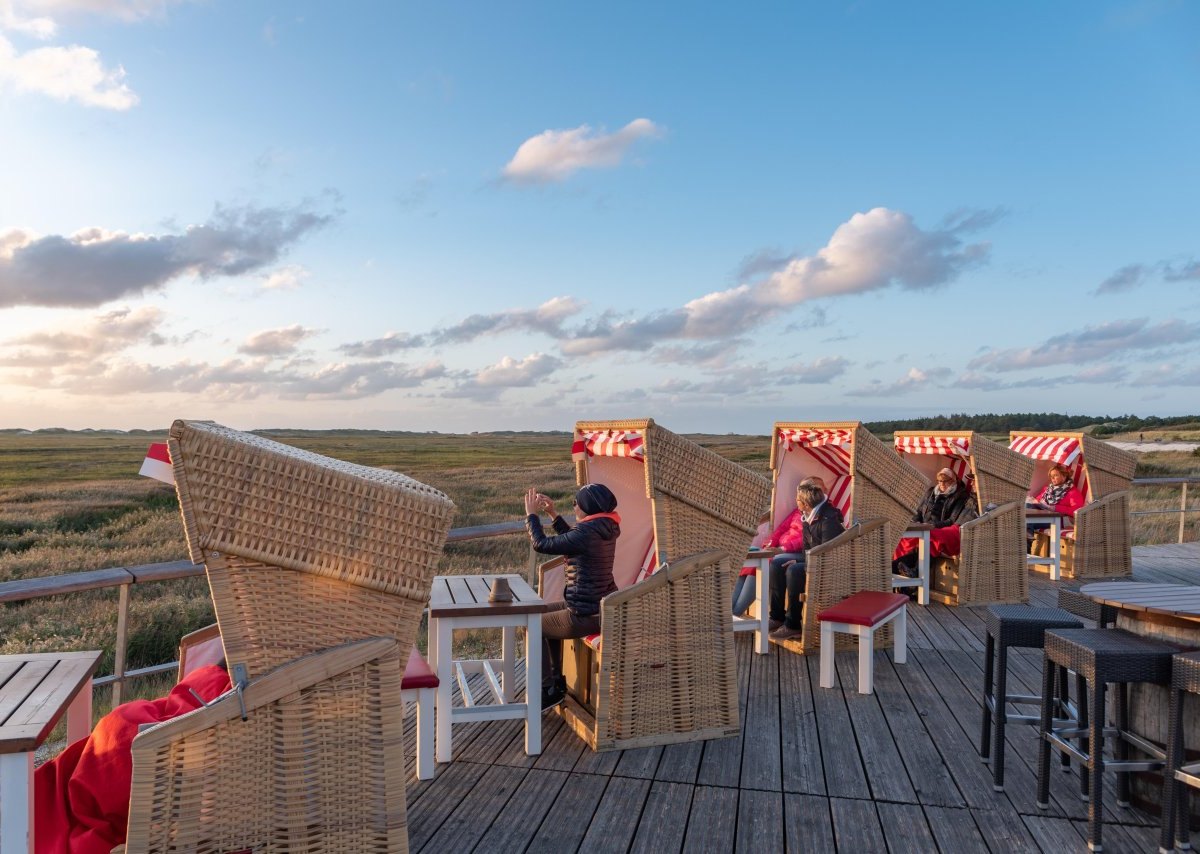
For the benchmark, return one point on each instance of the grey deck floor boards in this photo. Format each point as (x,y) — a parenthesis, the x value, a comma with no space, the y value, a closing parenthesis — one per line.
(812,770)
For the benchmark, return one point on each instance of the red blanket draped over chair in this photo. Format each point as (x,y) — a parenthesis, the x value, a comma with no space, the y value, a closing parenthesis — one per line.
(81,797)
(943,542)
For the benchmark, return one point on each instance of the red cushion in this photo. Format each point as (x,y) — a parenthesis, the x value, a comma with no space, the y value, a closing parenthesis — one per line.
(864,608)
(417,674)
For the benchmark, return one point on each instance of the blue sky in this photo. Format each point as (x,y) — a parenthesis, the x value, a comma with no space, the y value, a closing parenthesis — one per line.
(471,216)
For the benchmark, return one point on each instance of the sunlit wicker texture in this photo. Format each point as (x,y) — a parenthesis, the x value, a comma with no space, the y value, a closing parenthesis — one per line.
(317,766)
(701,501)
(1101,544)
(991,567)
(303,551)
(667,671)
(882,486)
(697,502)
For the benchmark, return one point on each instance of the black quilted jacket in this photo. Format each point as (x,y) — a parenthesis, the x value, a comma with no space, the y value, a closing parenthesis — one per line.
(589,548)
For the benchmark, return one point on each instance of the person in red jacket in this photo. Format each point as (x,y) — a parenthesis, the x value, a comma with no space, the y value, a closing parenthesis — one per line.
(1060,493)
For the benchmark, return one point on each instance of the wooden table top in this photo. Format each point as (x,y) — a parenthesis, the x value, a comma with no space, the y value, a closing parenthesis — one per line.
(918,527)
(759,554)
(1041,513)
(1173,600)
(35,691)
(467,596)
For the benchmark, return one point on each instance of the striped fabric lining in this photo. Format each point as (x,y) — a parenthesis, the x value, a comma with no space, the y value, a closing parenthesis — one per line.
(956,450)
(1056,449)
(649,567)
(1053,448)
(609,443)
(831,448)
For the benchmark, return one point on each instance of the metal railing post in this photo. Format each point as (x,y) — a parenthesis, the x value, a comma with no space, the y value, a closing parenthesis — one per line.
(1182,510)
(122,642)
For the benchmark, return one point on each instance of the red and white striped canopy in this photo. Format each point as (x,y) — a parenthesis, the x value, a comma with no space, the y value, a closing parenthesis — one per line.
(609,443)
(946,446)
(956,449)
(1053,448)
(831,448)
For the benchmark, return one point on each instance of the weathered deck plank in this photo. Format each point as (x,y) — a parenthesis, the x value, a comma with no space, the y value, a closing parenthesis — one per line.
(813,770)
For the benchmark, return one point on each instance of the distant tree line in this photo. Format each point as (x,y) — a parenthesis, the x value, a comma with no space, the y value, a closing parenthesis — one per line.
(1050,421)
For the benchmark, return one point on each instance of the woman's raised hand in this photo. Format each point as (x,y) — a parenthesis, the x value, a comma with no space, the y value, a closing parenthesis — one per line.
(532,502)
(547,505)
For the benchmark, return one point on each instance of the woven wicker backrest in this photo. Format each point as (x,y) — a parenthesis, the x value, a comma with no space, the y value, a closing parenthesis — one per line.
(700,500)
(317,766)
(883,486)
(1001,474)
(253,498)
(1106,469)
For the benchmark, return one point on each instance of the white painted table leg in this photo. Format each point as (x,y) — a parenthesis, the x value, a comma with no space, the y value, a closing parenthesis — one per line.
(866,660)
(426,702)
(900,638)
(509,677)
(79,714)
(1055,537)
(533,685)
(16,802)
(827,655)
(445,693)
(763,604)
(923,568)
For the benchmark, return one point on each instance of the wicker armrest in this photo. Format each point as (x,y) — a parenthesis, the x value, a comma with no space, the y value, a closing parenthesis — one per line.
(225,777)
(1102,538)
(992,564)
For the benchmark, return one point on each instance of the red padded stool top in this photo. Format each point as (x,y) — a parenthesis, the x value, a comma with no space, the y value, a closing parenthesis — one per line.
(864,608)
(417,674)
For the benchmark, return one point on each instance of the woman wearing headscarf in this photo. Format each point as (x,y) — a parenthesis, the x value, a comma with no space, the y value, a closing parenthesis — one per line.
(589,548)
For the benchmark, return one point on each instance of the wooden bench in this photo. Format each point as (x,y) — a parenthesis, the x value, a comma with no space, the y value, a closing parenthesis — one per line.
(35,690)
(420,686)
(861,614)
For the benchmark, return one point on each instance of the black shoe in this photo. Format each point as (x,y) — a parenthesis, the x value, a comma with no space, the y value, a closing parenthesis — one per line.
(554,695)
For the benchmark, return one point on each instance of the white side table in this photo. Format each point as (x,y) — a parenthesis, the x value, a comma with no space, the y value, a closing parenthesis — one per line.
(461,602)
(759,623)
(921,582)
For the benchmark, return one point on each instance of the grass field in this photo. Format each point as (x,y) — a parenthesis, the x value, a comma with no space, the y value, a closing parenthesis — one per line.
(73,501)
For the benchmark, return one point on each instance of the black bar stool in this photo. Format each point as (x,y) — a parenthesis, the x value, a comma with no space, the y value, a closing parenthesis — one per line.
(1102,657)
(1185,677)
(1020,626)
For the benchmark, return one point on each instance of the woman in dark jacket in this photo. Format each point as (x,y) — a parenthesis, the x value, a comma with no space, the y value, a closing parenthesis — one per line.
(589,548)
(947,502)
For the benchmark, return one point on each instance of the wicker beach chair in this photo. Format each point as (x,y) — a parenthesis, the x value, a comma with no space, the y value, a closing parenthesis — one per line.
(662,669)
(991,567)
(877,493)
(307,758)
(1100,544)
(303,552)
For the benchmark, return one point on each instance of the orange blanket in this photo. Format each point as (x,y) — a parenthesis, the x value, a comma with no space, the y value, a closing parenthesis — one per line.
(81,797)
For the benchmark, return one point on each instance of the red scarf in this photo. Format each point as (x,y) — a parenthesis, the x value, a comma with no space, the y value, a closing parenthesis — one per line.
(614,516)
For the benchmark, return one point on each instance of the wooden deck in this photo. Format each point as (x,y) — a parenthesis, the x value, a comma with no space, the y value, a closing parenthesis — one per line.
(813,770)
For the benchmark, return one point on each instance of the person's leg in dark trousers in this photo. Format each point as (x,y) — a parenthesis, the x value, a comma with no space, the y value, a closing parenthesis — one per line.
(558,625)
(797,574)
(779,583)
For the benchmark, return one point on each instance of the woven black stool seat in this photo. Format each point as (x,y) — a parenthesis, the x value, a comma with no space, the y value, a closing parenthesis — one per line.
(1019,626)
(1185,679)
(1100,657)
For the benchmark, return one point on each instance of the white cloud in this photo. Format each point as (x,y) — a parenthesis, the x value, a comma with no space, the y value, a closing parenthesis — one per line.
(94,266)
(73,73)
(1093,343)
(871,251)
(546,318)
(555,155)
(488,383)
(286,278)
(276,342)
(914,380)
(83,343)
(392,342)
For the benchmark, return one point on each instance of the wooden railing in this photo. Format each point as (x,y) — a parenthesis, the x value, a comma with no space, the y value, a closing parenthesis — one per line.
(125,577)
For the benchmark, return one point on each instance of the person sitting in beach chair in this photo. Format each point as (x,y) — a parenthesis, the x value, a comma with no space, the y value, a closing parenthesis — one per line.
(743,588)
(1060,493)
(789,534)
(947,504)
(589,548)
(821,523)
